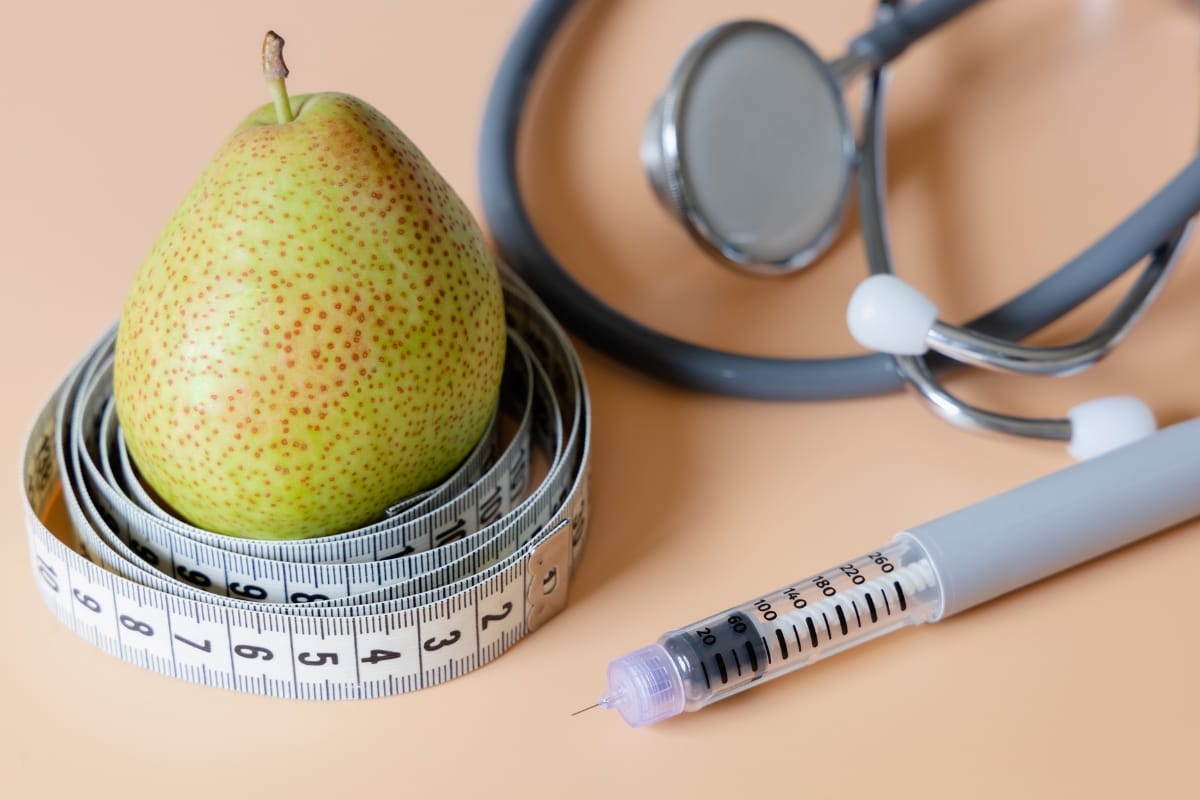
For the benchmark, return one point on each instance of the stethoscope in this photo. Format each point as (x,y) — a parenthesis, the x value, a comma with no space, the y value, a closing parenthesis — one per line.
(774,207)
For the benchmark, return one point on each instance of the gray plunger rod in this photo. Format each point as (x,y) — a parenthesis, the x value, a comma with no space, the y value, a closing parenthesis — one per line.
(1065,518)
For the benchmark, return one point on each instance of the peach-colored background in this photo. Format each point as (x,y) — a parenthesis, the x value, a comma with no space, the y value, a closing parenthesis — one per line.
(1017,136)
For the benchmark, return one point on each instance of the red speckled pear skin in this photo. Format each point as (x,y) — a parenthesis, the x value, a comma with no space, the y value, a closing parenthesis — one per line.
(318,331)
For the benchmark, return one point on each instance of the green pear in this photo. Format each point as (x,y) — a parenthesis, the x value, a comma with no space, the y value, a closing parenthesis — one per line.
(318,331)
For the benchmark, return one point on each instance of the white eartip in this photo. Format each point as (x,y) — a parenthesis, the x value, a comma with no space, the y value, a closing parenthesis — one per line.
(1108,423)
(888,315)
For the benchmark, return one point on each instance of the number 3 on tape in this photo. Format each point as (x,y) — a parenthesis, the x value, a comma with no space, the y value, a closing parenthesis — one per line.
(447,582)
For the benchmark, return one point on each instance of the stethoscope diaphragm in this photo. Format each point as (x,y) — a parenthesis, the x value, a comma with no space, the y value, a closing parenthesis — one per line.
(751,147)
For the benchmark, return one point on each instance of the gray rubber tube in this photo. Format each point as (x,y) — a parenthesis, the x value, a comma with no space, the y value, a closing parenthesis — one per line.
(693,366)
(1065,518)
(890,38)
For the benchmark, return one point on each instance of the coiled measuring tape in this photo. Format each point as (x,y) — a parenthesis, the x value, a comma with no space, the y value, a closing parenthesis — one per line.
(448,581)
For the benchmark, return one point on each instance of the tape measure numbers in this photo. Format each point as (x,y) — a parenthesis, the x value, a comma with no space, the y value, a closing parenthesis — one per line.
(449,580)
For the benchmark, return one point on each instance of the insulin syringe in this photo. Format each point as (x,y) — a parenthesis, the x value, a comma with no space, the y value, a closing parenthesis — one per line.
(924,574)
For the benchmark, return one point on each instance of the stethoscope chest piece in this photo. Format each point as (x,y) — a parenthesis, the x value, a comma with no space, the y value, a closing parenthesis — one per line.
(752,148)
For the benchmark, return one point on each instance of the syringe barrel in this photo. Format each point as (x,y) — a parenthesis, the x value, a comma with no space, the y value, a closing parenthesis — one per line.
(776,633)
(1065,518)
(926,573)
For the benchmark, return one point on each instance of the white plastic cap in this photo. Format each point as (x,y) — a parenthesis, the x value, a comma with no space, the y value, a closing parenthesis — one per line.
(1107,423)
(888,315)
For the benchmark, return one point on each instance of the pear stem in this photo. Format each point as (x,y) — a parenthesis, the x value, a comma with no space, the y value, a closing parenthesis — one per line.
(275,71)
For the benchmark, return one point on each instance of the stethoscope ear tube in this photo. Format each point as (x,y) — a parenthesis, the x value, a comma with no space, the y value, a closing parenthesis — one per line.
(888,315)
(693,366)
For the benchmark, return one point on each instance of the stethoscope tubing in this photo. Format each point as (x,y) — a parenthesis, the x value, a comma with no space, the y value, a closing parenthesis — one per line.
(735,374)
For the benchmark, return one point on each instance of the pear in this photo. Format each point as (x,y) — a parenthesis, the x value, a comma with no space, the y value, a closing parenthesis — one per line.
(318,331)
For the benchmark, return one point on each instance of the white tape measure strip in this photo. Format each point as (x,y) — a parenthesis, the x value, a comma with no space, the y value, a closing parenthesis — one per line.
(447,582)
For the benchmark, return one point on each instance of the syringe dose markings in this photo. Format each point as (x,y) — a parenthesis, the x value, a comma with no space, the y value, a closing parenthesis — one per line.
(781,644)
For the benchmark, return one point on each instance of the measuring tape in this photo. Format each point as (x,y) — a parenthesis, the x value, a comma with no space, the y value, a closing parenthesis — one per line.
(449,580)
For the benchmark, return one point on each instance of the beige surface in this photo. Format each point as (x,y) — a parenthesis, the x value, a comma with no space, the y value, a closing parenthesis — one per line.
(1016,137)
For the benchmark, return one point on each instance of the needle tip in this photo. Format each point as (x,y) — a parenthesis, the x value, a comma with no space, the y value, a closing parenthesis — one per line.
(589,708)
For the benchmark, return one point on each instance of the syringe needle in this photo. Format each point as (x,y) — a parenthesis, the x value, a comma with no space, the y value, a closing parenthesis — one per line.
(589,708)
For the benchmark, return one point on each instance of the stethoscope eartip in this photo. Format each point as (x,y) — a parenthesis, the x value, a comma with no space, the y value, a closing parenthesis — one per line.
(887,315)
(1107,423)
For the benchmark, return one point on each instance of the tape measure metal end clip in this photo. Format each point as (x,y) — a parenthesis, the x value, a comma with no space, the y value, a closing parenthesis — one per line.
(548,572)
